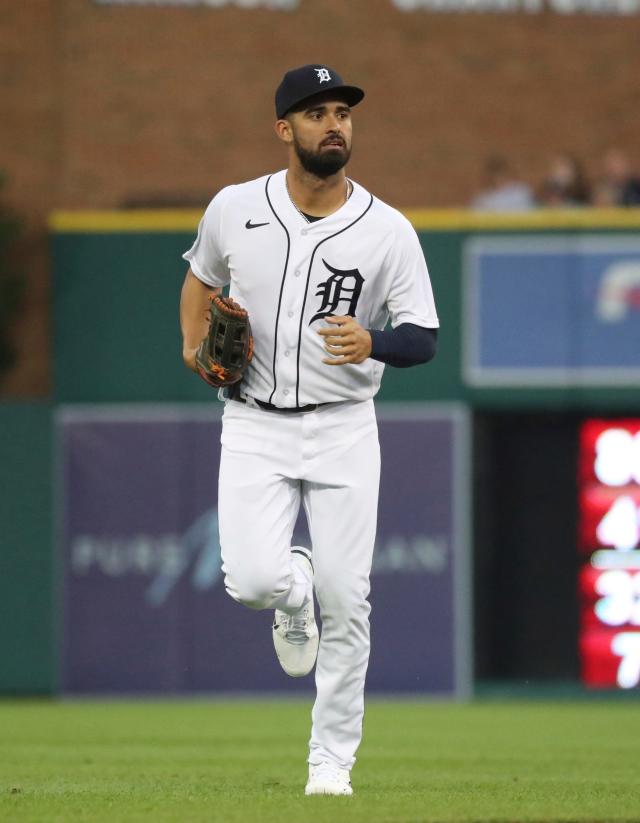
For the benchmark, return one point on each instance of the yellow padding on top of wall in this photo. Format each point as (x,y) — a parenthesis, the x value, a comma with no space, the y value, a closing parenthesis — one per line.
(186,220)
(133,220)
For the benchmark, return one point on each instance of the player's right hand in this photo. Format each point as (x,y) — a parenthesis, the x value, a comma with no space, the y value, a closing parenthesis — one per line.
(346,341)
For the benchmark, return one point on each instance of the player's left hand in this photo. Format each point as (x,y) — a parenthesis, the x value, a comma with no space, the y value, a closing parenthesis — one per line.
(346,341)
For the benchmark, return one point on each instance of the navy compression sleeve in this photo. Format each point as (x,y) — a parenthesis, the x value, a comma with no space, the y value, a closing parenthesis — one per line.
(406,345)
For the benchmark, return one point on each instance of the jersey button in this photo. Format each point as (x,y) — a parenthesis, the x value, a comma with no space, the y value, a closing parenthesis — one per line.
(304,232)
(286,392)
(290,313)
(297,272)
(287,353)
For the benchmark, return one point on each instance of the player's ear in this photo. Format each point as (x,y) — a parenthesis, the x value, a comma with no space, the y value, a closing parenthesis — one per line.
(284,131)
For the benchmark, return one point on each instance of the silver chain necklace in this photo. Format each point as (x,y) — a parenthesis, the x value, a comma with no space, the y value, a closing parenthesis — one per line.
(348,193)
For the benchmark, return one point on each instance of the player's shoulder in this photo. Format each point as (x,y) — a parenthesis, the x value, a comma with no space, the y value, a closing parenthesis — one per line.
(389,219)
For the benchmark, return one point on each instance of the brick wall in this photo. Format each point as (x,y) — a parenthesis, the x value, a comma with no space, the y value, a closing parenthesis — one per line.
(107,105)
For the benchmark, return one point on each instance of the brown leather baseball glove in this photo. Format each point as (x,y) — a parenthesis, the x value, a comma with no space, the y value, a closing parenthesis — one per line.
(226,351)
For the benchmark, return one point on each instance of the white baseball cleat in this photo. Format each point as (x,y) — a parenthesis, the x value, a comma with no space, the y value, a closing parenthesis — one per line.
(295,636)
(327,778)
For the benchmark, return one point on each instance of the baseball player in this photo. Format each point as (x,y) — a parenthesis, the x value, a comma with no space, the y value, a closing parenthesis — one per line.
(321,266)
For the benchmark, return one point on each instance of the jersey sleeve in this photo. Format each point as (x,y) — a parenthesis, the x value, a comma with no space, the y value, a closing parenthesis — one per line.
(207,256)
(410,296)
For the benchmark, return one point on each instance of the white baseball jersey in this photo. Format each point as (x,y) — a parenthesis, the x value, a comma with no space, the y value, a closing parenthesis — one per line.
(363,260)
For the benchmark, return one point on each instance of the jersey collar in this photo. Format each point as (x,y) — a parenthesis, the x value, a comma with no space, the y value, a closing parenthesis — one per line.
(294,222)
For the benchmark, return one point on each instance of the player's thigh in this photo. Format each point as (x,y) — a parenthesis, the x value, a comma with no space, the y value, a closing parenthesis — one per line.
(257,502)
(256,509)
(341,503)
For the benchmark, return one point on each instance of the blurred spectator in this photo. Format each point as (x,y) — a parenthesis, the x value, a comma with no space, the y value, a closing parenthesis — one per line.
(566,185)
(503,190)
(618,186)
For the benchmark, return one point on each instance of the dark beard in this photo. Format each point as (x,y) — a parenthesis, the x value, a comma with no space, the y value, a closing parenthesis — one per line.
(322,164)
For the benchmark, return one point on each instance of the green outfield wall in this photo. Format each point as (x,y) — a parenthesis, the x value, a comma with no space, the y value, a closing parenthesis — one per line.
(117,279)
(27,621)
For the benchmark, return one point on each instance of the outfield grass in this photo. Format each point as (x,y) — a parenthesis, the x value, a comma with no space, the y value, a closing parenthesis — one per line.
(245,761)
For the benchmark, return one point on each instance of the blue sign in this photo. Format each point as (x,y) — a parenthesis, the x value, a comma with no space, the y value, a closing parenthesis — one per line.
(144,604)
(552,311)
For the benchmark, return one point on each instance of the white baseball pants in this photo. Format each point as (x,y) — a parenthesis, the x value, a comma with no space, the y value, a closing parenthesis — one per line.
(329,460)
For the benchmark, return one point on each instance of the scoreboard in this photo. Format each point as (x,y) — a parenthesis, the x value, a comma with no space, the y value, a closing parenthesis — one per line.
(609,546)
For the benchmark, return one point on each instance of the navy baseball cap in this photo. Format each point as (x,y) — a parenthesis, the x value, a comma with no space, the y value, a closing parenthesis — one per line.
(307,81)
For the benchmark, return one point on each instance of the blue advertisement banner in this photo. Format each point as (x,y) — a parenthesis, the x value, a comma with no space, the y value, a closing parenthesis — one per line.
(552,311)
(144,604)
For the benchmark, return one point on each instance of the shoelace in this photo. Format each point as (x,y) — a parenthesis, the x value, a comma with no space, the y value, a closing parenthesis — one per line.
(296,627)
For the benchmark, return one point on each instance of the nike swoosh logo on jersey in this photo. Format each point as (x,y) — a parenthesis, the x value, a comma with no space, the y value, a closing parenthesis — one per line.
(250,225)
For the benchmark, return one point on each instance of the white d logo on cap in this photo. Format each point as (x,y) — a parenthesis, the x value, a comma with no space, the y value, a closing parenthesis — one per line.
(323,75)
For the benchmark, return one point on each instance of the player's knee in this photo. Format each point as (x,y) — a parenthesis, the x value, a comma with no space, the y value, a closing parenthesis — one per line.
(344,596)
(257,589)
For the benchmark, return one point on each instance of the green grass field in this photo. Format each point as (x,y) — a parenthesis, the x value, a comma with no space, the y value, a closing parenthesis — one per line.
(245,761)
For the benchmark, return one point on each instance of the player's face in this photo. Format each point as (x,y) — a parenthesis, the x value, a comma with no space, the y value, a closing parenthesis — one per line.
(321,136)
